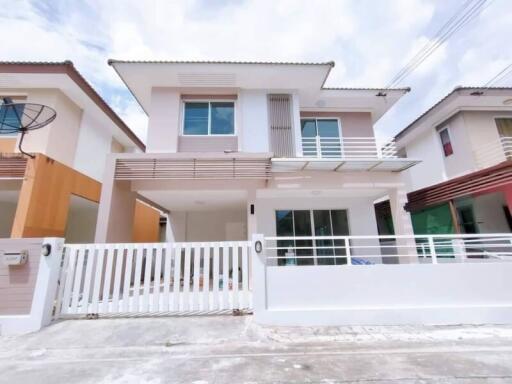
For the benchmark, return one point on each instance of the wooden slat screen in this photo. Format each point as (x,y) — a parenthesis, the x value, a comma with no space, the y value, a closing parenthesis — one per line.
(12,165)
(173,169)
(476,182)
(281,125)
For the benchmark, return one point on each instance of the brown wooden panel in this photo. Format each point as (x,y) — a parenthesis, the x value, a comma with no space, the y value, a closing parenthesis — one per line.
(146,224)
(44,198)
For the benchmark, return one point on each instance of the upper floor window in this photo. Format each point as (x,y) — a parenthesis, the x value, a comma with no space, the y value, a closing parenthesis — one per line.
(209,118)
(446,142)
(504,126)
(320,137)
(320,127)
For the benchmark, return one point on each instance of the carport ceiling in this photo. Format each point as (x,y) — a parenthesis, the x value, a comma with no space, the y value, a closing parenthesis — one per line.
(193,200)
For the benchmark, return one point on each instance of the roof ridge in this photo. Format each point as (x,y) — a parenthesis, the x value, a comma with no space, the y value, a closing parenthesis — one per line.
(405,89)
(116,61)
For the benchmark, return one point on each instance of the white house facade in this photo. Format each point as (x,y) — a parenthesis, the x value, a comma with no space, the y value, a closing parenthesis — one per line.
(235,149)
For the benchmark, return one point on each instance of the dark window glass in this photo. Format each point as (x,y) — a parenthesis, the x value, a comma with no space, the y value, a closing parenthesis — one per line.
(196,119)
(340,228)
(466,215)
(284,227)
(308,128)
(328,128)
(223,118)
(302,221)
(323,227)
(446,142)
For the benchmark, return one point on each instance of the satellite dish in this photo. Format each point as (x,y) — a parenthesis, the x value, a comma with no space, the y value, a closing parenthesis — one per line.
(24,117)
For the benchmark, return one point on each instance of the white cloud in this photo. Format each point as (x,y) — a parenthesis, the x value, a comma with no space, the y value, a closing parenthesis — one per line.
(369,40)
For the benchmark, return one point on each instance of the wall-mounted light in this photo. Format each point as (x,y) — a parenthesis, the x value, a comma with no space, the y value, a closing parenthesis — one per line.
(252,209)
(46,249)
(258,247)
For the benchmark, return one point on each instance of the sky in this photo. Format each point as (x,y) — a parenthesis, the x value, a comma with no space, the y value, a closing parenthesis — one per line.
(370,41)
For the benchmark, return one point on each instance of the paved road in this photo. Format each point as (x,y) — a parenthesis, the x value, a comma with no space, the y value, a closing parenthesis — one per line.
(235,350)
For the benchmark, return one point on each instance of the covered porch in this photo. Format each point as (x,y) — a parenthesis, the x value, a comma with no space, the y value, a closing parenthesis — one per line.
(230,197)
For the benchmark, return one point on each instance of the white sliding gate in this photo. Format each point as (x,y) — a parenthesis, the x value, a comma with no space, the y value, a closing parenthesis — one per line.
(174,278)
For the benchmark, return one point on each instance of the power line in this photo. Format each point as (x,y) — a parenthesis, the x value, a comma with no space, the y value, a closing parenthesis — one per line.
(501,75)
(467,12)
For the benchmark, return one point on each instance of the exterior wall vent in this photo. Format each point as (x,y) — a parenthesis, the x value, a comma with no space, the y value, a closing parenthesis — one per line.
(207,79)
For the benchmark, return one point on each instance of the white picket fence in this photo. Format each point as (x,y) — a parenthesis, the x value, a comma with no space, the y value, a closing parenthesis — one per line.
(176,278)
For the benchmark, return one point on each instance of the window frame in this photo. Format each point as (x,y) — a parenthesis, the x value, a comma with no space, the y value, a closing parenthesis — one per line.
(209,101)
(311,211)
(447,129)
(338,121)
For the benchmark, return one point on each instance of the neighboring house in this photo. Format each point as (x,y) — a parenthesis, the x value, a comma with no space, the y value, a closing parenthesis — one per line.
(237,148)
(57,192)
(464,183)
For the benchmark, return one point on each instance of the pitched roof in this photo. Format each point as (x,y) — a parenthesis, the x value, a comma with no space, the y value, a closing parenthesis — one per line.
(67,67)
(441,101)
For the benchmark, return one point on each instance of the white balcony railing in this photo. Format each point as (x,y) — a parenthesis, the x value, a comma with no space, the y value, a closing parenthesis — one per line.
(494,152)
(347,148)
(362,250)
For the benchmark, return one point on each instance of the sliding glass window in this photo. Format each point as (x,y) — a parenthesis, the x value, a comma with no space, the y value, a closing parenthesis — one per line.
(209,118)
(304,223)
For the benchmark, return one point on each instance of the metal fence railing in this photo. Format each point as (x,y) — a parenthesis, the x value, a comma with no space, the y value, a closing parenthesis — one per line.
(347,147)
(367,250)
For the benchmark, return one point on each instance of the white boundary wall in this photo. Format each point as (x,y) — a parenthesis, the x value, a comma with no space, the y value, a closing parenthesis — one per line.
(381,294)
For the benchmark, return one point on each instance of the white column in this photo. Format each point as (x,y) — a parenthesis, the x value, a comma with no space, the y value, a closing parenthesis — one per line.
(251,218)
(403,225)
(46,284)
(297,135)
(258,277)
(169,232)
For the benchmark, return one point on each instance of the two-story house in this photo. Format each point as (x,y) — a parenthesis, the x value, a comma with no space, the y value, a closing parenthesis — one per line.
(464,183)
(237,148)
(57,192)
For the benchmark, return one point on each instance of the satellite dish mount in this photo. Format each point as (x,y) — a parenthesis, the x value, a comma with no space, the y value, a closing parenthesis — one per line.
(22,118)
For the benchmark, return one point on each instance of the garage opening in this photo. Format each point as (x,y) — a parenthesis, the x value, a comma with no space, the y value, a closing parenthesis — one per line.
(81,223)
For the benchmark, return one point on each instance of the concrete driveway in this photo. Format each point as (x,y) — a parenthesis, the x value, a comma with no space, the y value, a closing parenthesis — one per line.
(227,349)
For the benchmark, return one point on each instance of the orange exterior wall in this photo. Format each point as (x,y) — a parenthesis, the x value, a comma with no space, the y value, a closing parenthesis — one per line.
(7,145)
(146,224)
(44,198)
